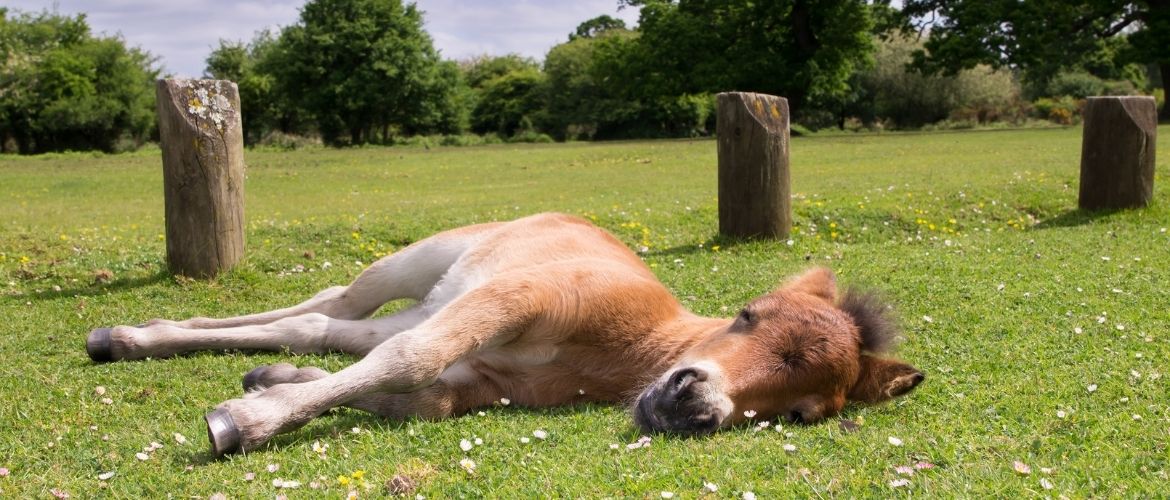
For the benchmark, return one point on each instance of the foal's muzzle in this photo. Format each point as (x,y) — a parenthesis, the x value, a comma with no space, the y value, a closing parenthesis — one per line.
(678,404)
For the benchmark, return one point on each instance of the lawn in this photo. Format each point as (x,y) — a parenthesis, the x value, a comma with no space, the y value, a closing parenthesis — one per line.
(1044,331)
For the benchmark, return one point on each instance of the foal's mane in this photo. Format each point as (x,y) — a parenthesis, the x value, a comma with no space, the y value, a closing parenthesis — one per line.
(873,317)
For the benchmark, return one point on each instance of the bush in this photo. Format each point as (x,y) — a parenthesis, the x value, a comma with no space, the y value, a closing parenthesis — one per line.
(530,136)
(1075,84)
(287,142)
(951,125)
(1119,87)
(911,99)
(453,140)
(469,140)
(1062,110)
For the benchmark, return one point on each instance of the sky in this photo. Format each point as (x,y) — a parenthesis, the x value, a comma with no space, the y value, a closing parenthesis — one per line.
(183,33)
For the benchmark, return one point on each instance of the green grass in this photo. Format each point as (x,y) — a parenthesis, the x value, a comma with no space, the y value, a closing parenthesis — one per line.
(937,221)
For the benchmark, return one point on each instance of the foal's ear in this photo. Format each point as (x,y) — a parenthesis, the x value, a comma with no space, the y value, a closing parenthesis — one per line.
(818,281)
(883,379)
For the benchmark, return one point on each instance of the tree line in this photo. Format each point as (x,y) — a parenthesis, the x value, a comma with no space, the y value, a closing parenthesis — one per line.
(63,88)
(365,71)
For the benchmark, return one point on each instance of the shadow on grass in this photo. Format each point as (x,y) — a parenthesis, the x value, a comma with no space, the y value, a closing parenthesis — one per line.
(1073,218)
(91,290)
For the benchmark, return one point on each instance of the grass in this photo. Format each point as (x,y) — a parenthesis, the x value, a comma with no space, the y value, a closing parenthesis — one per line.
(1043,329)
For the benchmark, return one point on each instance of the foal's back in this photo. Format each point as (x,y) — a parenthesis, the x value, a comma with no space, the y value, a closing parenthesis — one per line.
(543,239)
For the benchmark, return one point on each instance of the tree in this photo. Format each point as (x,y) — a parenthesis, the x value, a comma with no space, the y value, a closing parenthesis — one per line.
(573,94)
(506,93)
(597,26)
(510,103)
(804,50)
(263,107)
(1040,37)
(62,88)
(482,69)
(364,68)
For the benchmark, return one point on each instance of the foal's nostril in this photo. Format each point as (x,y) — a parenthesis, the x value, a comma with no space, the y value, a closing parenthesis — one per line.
(796,417)
(682,378)
(917,379)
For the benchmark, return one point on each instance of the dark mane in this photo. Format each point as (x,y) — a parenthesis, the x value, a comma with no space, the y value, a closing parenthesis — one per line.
(873,318)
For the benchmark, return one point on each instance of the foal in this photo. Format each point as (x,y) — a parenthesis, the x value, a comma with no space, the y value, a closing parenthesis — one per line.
(545,310)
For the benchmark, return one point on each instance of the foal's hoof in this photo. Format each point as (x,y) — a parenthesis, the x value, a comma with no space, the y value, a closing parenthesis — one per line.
(252,378)
(98,345)
(223,433)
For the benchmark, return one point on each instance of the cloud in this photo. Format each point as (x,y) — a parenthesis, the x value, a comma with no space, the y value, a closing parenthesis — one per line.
(182,34)
(465,28)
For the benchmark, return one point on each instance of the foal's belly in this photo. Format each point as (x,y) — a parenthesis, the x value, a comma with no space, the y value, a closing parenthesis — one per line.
(546,374)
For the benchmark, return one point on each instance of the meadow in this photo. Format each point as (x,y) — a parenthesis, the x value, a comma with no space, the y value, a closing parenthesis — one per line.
(1044,331)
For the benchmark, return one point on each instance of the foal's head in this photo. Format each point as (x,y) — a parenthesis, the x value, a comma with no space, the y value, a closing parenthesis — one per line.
(797,353)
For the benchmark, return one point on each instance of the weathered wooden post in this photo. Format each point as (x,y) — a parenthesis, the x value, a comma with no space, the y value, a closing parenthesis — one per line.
(203,174)
(754,193)
(1117,152)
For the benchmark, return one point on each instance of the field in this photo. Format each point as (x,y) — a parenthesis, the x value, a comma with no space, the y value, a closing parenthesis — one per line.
(1044,331)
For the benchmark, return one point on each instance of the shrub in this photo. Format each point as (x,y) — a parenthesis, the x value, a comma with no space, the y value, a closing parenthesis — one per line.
(469,140)
(1075,84)
(1063,110)
(530,136)
(951,124)
(280,140)
(911,99)
(1119,87)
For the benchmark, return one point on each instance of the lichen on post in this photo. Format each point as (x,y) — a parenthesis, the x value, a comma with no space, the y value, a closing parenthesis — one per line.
(203,175)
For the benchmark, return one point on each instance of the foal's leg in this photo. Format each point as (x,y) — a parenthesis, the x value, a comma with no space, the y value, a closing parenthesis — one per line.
(456,392)
(413,360)
(307,333)
(409,273)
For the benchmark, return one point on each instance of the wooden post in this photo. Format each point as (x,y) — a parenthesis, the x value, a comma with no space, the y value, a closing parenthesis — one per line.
(203,175)
(754,193)
(1117,152)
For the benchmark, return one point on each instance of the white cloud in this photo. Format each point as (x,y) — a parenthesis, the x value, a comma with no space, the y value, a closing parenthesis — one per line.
(182,34)
(464,28)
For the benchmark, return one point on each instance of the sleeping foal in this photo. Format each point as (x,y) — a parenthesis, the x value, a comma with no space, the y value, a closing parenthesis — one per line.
(545,310)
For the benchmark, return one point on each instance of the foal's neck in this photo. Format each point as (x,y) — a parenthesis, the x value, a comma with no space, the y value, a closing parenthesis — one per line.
(674,337)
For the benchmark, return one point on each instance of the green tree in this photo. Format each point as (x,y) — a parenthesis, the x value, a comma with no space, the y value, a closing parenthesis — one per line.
(264,108)
(573,94)
(597,26)
(804,50)
(506,93)
(482,69)
(597,89)
(1040,37)
(62,88)
(365,68)
(510,103)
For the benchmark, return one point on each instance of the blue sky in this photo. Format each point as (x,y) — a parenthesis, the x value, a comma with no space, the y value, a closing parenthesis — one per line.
(183,33)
